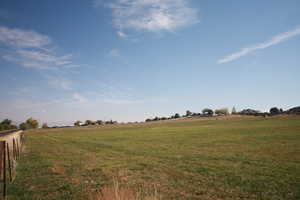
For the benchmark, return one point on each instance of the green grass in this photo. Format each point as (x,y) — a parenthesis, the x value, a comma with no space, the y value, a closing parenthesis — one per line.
(237,158)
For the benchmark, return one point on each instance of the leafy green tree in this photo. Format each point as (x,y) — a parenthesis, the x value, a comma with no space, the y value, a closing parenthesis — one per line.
(274,111)
(207,112)
(32,123)
(29,124)
(233,112)
(188,113)
(88,122)
(23,126)
(110,122)
(77,123)
(176,116)
(6,124)
(99,122)
(223,111)
(281,111)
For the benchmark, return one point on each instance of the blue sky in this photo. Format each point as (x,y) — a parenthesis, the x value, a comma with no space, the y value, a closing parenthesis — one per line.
(128,60)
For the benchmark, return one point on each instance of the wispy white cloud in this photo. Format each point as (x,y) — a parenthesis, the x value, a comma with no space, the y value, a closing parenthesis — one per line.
(152,15)
(114,53)
(31,49)
(42,60)
(122,101)
(28,103)
(60,83)
(23,38)
(130,101)
(79,98)
(114,94)
(121,34)
(273,41)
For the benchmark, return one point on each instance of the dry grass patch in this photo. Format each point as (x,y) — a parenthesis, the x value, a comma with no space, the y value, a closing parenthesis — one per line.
(121,191)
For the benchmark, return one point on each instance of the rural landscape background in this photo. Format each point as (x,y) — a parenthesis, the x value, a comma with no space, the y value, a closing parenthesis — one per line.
(149,100)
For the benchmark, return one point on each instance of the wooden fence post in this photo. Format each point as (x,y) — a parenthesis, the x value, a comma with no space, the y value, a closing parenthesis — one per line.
(18,150)
(3,144)
(1,158)
(17,153)
(19,147)
(14,149)
(9,162)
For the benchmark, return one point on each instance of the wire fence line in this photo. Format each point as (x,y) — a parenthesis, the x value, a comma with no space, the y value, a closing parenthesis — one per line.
(11,146)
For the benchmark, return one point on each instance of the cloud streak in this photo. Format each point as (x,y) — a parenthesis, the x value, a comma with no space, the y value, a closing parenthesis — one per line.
(152,15)
(114,53)
(60,83)
(79,98)
(22,38)
(122,34)
(31,49)
(273,41)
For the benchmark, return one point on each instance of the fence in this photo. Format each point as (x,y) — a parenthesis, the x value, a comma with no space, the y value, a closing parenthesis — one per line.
(11,145)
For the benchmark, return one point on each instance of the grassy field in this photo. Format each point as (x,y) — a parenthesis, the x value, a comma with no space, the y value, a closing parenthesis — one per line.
(234,158)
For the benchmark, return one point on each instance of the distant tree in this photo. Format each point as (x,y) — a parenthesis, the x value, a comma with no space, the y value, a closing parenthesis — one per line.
(207,112)
(249,112)
(23,126)
(294,111)
(148,120)
(6,124)
(12,126)
(99,122)
(176,116)
(88,122)
(223,111)
(274,111)
(77,123)
(111,122)
(45,125)
(233,112)
(281,111)
(29,124)
(32,123)
(188,113)
(196,114)
(156,119)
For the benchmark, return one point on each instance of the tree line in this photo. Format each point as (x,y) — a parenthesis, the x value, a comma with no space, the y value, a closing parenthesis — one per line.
(91,122)
(207,112)
(30,123)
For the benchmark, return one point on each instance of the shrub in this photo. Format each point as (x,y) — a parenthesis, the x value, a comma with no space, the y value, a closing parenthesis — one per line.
(207,112)
(223,111)
(274,111)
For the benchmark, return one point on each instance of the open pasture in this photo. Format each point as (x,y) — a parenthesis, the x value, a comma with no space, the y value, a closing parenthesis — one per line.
(234,158)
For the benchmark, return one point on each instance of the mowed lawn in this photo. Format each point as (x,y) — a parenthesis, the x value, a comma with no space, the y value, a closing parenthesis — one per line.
(234,158)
